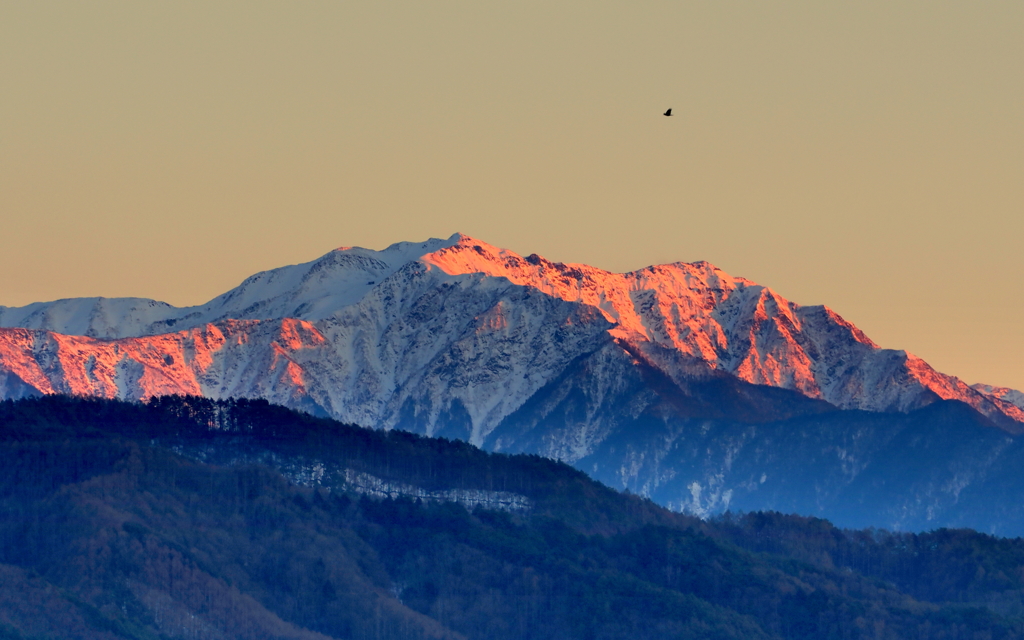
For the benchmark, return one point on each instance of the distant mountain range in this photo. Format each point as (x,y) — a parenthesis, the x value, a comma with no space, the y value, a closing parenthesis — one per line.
(677,381)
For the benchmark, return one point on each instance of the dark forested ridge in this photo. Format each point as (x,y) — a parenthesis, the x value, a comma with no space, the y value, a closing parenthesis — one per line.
(193,518)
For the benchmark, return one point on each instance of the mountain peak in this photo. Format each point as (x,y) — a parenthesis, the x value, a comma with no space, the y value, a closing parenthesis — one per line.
(404,250)
(1005,394)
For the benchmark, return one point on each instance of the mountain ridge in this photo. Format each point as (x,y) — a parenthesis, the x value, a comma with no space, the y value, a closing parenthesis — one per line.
(694,309)
(610,372)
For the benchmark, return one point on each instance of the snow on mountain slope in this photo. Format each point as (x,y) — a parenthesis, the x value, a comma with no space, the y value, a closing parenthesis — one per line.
(737,326)
(310,291)
(683,319)
(443,353)
(93,317)
(1006,394)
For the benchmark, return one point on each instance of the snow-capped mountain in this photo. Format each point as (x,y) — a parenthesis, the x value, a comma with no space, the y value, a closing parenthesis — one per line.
(455,337)
(339,331)
(1012,396)
(309,291)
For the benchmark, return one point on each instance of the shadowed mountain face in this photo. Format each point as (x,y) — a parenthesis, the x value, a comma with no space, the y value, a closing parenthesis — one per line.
(194,518)
(611,372)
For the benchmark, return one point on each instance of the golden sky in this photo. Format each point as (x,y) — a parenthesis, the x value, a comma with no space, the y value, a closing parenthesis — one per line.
(868,156)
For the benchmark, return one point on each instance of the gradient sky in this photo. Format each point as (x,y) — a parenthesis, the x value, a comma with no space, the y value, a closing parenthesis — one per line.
(868,156)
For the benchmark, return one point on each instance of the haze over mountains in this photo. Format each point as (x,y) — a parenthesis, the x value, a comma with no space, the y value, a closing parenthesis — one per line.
(669,380)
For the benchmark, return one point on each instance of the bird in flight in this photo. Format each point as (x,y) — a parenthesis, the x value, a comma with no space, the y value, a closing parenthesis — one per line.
(667,113)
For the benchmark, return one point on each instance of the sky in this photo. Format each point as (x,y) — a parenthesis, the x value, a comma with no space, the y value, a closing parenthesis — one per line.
(868,156)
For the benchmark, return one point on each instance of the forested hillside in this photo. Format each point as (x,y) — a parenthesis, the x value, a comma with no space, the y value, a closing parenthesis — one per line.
(193,518)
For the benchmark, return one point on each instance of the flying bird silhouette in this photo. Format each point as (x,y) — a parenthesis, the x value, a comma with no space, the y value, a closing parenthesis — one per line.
(667,113)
